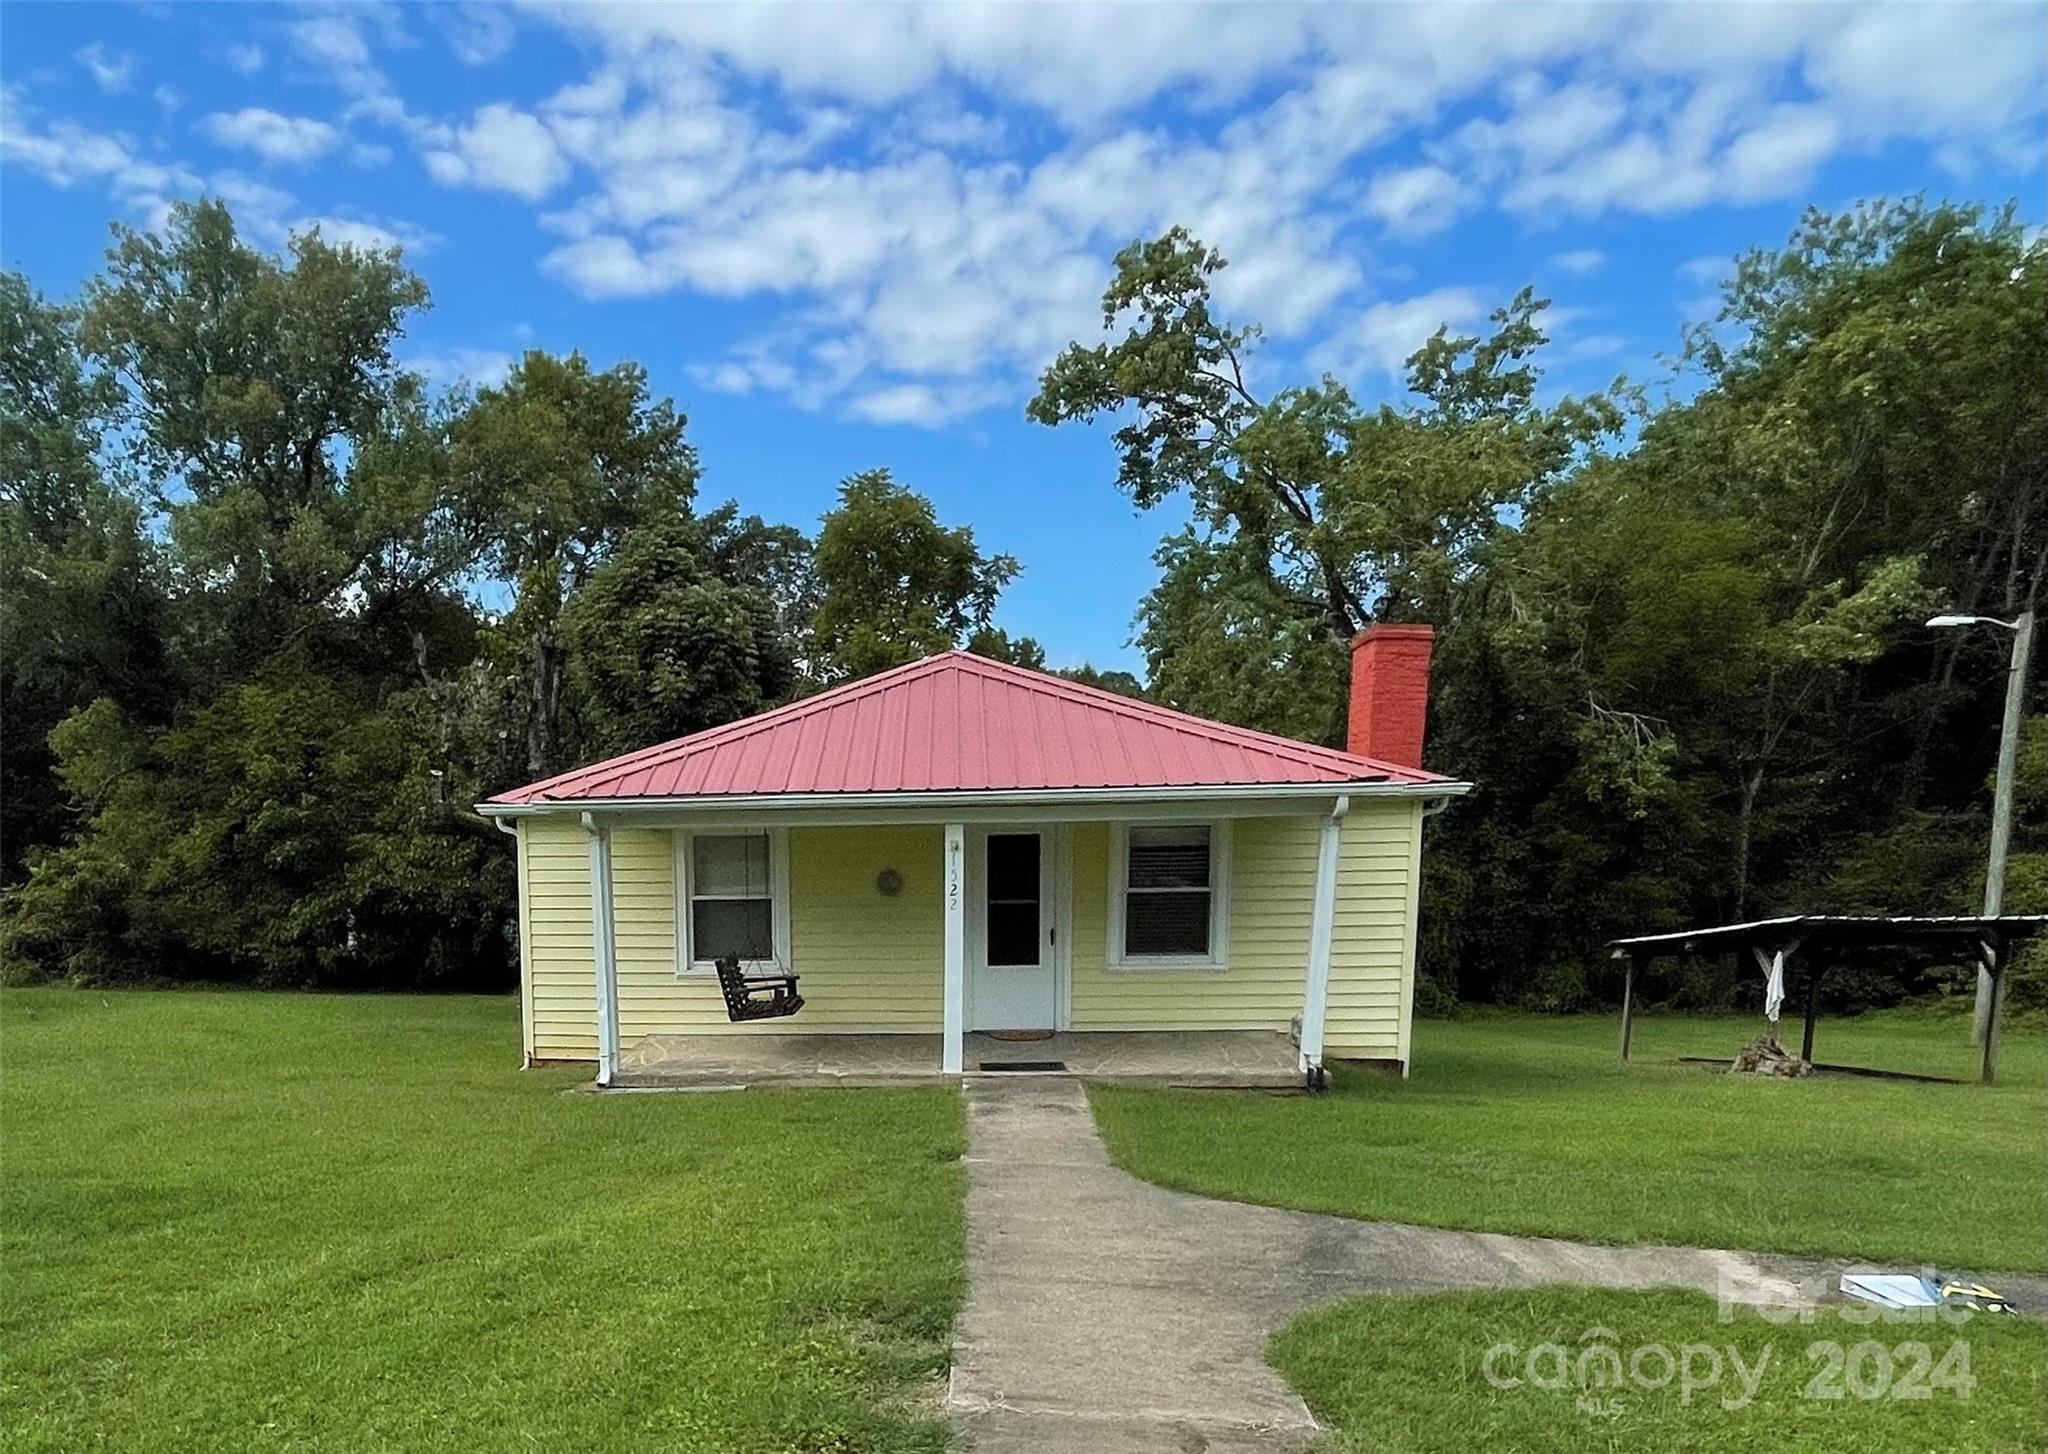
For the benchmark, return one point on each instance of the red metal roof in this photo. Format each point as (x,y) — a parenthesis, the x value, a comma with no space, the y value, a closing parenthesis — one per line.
(960,723)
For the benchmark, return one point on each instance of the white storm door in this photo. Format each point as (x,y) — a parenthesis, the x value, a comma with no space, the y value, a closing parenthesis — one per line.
(1013,974)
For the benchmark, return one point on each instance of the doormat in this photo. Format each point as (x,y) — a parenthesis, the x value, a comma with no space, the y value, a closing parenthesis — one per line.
(1025,1066)
(1019,1034)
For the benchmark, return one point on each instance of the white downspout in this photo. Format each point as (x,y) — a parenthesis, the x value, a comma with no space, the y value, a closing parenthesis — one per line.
(604,949)
(1322,924)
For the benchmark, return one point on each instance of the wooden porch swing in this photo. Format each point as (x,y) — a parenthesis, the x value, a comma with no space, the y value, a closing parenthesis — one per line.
(743,992)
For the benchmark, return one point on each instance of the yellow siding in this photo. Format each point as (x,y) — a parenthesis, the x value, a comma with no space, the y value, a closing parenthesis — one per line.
(561,990)
(1372,947)
(868,962)
(1272,875)
(875,963)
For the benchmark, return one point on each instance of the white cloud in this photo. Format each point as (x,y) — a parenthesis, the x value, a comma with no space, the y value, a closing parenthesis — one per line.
(331,47)
(1593,345)
(332,38)
(1091,62)
(272,135)
(482,368)
(478,34)
(901,404)
(369,233)
(66,154)
(502,149)
(1385,334)
(260,210)
(245,60)
(1780,157)
(605,267)
(922,206)
(109,72)
(1415,200)
(1717,147)
(1703,271)
(1941,68)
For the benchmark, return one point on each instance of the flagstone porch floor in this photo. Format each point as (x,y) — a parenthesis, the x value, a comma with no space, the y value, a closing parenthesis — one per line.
(1245,1059)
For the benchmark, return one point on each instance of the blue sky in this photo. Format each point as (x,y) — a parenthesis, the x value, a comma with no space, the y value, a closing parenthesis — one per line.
(850,236)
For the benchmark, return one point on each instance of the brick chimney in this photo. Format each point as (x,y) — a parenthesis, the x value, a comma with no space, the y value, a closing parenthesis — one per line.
(1390,692)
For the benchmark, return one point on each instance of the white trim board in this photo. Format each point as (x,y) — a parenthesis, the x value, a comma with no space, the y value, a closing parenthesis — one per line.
(1115,960)
(688,966)
(1053,804)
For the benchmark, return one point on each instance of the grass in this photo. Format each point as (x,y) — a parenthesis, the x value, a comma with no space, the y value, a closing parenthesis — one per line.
(1410,1373)
(268,1222)
(1531,1124)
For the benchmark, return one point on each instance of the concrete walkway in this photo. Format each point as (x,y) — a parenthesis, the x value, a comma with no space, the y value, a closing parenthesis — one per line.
(1111,1316)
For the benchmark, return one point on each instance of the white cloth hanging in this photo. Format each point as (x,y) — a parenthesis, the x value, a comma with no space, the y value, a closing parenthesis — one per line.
(1774,987)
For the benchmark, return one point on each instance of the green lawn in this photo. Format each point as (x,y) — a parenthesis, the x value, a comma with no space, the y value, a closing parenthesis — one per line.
(1411,1373)
(240,1221)
(1531,1124)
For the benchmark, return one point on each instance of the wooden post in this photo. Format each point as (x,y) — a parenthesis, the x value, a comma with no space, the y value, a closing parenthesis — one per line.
(1995,971)
(1628,1006)
(1812,1001)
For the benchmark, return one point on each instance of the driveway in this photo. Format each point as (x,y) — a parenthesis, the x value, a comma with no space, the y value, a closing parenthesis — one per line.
(1110,1316)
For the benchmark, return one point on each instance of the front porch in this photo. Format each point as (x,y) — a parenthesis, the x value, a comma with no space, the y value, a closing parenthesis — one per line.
(1242,1059)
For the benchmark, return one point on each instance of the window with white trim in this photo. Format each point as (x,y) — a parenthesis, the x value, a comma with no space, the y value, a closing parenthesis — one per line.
(1169,895)
(732,898)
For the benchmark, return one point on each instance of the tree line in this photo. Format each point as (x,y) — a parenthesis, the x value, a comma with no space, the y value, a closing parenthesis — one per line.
(1682,645)
(274,612)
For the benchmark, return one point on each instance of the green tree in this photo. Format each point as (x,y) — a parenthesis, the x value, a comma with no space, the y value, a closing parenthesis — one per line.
(1693,683)
(284,834)
(551,471)
(1121,682)
(82,611)
(894,584)
(1312,516)
(663,642)
(998,645)
(250,382)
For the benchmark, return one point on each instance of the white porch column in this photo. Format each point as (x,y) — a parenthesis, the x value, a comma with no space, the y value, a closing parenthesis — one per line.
(954,877)
(1321,925)
(604,948)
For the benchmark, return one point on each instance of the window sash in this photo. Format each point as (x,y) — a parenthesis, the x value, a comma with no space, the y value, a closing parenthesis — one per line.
(1157,869)
(718,878)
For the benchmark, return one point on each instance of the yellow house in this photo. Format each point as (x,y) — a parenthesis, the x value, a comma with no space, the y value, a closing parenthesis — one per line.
(959,846)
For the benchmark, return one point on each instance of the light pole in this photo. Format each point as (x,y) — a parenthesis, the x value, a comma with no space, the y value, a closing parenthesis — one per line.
(2022,630)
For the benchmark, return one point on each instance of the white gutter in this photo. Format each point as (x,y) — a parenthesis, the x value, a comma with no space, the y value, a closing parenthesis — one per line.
(940,801)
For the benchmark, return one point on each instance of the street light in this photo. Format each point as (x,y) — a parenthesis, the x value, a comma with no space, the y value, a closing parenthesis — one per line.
(2022,629)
